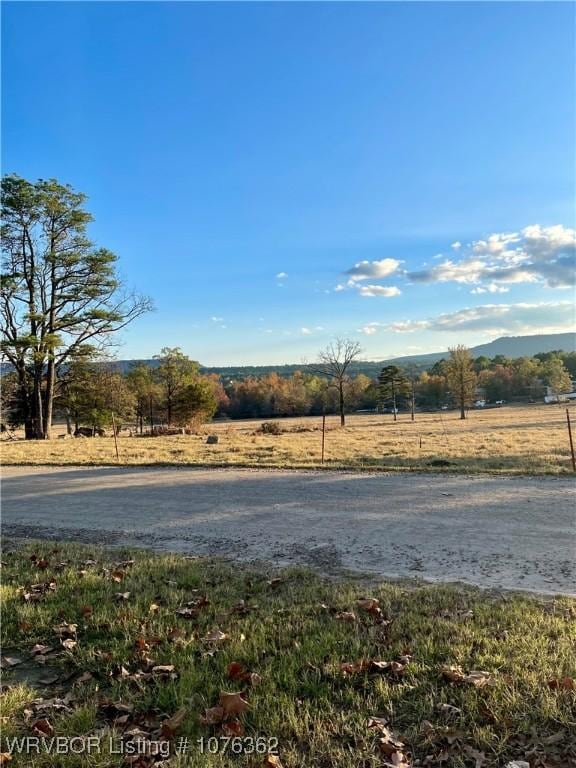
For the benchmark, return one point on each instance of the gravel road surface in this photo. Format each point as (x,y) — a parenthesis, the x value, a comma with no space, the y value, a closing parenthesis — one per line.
(507,532)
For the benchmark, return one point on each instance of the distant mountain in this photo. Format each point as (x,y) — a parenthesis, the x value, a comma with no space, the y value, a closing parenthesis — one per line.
(509,346)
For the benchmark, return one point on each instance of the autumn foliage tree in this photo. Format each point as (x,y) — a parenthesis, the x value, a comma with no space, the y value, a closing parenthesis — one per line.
(461,377)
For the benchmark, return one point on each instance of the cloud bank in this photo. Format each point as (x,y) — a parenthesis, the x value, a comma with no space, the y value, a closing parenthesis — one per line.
(544,255)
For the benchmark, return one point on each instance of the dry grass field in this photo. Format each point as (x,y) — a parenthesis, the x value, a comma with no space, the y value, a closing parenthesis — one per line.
(515,439)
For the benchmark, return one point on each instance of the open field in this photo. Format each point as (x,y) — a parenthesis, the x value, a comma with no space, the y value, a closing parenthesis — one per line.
(524,439)
(329,674)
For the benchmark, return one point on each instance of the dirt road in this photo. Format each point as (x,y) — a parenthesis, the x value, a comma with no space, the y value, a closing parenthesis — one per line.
(495,532)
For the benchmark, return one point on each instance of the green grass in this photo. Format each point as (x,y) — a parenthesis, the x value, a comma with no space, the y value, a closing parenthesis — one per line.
(289,634)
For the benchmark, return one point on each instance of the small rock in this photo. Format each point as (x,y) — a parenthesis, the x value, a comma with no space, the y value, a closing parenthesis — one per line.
(212,439)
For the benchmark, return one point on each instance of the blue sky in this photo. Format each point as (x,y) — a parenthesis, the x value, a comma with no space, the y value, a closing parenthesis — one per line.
(243,158)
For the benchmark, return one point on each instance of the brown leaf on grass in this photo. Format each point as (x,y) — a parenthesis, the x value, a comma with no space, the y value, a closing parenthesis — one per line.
(164,672)
(216,636)
(122,595)
(562,683)
(212,716)
(272,761)
(370,605)
(232,703)
(379,723)
(141,645)
(117,576)
(170,726)
(153,608)
(448,709)
(236,671)
(66,630)
(69,643)
(119,671)
(453,673)
(42,727)
(5,758)
(187,613)
(42,563)
(346,616)
(86,611)
(233,727)
(10,661)
(24,626)
(274,583)
(478,678)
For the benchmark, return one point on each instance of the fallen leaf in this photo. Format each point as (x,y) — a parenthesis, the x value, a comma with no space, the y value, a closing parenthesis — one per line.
(117,576)
(518,764)
(10,661)
(69,643)
(171,725)
(42,564)
(346,616)
(42,727)
(563,683)
(5,757)
(212,716)
(122,595)
(272,761)
(153,608)
(216,636)
(233,727)
(369,604)
(24,626)
(66,630)
(478,678)
(232,703)
(86,611)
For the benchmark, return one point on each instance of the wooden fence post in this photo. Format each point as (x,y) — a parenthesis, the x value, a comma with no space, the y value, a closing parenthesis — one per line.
(570,438)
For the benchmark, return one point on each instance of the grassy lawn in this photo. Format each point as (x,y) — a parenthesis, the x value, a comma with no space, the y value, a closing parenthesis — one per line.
(338,674)
(520,439)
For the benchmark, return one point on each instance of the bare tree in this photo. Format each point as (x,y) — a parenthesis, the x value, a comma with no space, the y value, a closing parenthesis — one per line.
(333,363)
(461,377)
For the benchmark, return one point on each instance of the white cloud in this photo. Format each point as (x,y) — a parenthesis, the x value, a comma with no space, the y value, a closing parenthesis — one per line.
(217,319)
(339,287)
(373,270)
(281,275)
(379,290)
(543,317)
(490,288)
(305,331)
(369,329)
(457,245)
(536,254)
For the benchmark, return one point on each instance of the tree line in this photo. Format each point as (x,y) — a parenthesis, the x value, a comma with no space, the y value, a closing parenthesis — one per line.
(176,394)
(62,303)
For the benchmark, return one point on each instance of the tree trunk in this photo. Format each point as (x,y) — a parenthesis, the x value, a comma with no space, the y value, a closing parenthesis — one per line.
(341,397)
(462,409)
(394,401)
(37,404)
(49,399)
(68,422)
(412,415)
